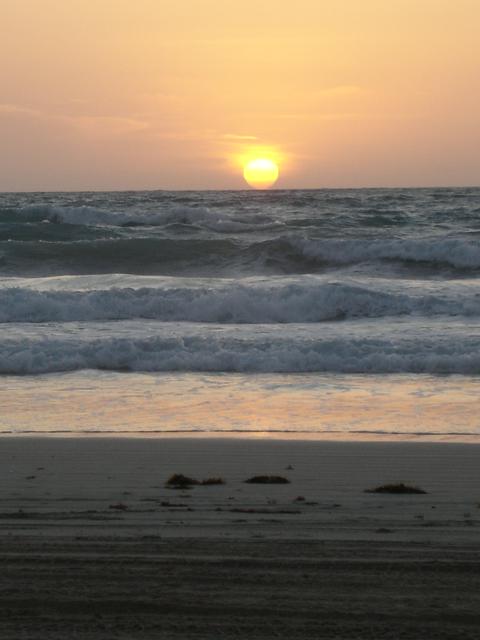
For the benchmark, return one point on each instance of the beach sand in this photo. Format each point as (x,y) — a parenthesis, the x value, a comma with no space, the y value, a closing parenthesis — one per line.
(93,545)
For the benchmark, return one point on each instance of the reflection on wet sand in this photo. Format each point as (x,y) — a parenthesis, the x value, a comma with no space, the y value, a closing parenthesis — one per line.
(299,406)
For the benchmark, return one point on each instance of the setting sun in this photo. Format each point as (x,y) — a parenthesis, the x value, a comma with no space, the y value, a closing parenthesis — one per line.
(260,173)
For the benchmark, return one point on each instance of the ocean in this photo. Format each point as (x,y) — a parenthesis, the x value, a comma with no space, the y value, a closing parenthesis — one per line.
(319,313)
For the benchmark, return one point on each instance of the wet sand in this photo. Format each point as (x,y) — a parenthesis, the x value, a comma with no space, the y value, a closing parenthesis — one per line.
(93,545)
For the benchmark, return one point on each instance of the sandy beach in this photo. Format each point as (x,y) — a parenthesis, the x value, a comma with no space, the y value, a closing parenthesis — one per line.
(94,545)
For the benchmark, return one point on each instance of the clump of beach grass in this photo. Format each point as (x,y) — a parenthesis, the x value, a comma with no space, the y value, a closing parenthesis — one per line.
(267,480)
(399,488)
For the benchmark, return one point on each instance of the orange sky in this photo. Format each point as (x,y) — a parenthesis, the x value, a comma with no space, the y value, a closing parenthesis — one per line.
(133,94)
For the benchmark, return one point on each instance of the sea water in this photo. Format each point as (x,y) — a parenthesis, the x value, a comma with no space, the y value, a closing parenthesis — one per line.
(319,313)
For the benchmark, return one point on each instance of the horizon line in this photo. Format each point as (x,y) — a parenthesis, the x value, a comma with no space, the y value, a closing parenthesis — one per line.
(244,190)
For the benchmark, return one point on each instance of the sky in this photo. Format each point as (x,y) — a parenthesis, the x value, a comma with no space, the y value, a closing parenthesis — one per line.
(169,94)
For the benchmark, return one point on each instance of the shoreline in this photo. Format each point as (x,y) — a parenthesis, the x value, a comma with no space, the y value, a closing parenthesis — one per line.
(305,407)
(253,436)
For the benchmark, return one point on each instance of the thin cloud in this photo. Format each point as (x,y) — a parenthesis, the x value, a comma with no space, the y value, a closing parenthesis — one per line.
(20,110)
(347,116)
(105,125)
(236,136)
(341,90)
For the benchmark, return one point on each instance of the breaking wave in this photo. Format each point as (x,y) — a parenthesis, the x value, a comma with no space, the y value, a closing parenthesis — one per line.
(457,252)
(214,220)
(285,254)
(301,302)
(262,353)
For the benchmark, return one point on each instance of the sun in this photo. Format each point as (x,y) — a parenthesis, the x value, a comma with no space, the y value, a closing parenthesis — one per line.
(260,173)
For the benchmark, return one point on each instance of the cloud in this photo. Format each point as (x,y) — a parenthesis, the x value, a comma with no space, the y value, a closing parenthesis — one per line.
(106,125)
(347,116)
(15,109)
(341,90)
(236,136)
(98,126)
(320,116)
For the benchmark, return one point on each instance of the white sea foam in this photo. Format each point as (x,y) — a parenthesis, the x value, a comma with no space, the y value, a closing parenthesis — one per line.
(306,300)
(458,252)
(215,220)
(407,348)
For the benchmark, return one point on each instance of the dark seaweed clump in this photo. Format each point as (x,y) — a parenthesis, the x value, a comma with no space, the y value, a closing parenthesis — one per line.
(396,489)
(179,481)
(268,480)
(211,481)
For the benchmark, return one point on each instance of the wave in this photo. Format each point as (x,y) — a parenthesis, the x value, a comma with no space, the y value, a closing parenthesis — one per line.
(228,353)
(139,256)
(203,217)
(284,254)
(457,252)
(301,302)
